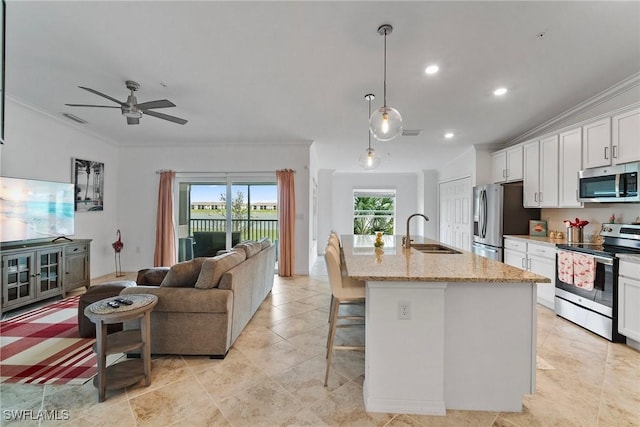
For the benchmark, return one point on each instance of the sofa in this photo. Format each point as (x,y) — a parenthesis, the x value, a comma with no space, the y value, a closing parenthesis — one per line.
(205,303)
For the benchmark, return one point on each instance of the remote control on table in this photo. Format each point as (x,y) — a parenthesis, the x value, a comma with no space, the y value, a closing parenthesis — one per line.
(124,301)
(113,304)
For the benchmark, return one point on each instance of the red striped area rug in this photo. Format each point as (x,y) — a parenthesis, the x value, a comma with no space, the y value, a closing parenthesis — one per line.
(43,347)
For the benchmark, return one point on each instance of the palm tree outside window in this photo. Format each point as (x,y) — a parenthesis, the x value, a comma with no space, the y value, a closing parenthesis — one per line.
(373,211)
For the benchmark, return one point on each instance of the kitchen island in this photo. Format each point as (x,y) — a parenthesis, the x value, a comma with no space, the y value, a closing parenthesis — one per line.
(443,330)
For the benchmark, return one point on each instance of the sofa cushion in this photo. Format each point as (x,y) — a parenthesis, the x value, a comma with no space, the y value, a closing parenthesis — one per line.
(183,274)
(265,243)
(250,247)
(213,268)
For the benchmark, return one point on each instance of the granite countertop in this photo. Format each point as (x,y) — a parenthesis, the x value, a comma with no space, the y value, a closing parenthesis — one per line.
(537,239)
(396,263)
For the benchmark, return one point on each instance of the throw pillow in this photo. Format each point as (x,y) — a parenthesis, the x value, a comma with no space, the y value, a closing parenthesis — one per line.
(265,243)
(250,247)
(213,268)
(183,274)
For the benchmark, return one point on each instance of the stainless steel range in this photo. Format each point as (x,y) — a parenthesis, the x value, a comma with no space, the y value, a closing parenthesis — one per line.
(597,309)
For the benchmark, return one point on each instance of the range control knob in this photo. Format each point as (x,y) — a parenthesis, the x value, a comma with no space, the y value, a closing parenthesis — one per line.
(607,229)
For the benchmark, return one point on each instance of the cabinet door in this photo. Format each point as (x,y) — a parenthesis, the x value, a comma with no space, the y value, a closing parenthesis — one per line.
(626,137)
(18,279)
(499,164)
(515,258)
(76,266)
(596,144)
(629,308)
(49,275)
(570,164)
(542,261)
(548,196)
(531,185)
(514,163)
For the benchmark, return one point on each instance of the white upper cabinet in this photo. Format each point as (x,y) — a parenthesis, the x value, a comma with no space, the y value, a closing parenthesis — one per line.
(540,188)
(548,196)
(507,164)
(612,141)
(531,185)
(570,149)
(596,144)
(499,166)
(626,137)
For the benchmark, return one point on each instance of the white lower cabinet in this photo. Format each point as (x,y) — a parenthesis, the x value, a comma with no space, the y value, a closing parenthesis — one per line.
(629,300)
(537,258)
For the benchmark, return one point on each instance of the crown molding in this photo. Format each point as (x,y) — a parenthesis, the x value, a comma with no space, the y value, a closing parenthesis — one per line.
(607,94)
(59,119)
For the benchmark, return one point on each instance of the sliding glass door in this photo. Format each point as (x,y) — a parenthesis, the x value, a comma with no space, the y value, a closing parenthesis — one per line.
(216,215)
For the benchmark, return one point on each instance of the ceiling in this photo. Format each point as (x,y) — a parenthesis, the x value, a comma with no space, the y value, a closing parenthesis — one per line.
(263,72)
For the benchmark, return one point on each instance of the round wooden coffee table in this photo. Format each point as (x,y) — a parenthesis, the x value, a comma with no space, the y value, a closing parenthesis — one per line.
(131,371)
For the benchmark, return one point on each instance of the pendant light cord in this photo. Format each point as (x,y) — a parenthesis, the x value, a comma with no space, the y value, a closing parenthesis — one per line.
(368,131)
(385,68)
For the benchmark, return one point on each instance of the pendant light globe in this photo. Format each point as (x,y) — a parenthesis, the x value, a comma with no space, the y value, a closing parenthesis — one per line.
(386,122)
(369,159)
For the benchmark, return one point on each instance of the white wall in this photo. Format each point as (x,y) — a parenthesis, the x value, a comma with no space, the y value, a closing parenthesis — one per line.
(325,207)
(40,146)
(430,197)
(138,182)
(343,184)
(313,180)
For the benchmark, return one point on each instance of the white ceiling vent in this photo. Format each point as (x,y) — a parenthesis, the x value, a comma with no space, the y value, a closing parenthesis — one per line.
(410,132)
(74,118)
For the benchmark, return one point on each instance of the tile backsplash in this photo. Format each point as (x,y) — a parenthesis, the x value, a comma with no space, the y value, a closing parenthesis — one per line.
(595,213)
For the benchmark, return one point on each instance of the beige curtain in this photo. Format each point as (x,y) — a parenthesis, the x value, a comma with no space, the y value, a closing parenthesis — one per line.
(287,220)
(165,253)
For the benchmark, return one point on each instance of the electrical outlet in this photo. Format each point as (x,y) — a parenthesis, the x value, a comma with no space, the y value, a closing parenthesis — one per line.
(404,310)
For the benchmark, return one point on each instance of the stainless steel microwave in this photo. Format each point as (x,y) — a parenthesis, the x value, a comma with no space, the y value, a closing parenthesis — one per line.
(609,184)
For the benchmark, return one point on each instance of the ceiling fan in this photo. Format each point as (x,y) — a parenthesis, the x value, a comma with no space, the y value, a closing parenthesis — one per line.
(131,109)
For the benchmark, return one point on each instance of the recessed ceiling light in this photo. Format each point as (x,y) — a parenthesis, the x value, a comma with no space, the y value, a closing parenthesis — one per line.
(448,135)
(500,91)
(432,69)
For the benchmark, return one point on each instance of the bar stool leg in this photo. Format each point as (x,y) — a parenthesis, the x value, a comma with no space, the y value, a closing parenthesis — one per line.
(330,338)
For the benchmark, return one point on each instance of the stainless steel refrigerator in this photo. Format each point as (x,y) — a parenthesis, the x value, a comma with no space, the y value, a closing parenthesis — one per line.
(498,210)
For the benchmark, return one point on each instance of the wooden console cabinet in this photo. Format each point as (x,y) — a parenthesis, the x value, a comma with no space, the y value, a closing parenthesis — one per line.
(40,270)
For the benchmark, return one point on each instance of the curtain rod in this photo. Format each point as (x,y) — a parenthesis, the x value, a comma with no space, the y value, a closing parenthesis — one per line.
(216,172)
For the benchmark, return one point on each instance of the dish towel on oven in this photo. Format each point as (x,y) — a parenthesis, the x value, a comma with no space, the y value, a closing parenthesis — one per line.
(565,267)
(584,269)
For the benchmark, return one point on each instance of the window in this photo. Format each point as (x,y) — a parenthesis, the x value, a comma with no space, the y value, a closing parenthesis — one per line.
(374,210)
(217,214)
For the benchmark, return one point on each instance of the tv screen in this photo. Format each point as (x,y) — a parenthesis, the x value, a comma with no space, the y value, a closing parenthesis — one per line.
(32,209)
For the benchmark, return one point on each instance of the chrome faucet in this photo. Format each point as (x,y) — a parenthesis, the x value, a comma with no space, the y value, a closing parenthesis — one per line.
(406,240)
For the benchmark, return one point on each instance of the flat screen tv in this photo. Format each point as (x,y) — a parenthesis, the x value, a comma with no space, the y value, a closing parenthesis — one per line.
(32,209)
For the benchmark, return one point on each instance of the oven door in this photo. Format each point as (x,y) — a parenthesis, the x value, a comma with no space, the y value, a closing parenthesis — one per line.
(601,298)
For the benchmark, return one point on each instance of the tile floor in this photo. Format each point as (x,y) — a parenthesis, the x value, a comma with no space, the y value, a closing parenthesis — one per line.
(273,376)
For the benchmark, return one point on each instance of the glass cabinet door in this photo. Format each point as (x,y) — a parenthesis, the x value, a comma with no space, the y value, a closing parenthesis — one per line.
(18,271)
(49,278)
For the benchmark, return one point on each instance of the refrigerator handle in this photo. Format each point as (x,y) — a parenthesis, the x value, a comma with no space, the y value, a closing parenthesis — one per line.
(484,215)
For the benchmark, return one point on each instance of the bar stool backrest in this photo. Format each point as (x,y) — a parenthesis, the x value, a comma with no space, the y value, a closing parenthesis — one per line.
(332,259)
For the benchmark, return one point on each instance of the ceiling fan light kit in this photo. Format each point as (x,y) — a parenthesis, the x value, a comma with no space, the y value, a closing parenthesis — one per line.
(386,122)
(369,160)
(131,109)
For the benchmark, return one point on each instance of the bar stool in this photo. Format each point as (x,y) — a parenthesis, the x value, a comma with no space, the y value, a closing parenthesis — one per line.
(340,294)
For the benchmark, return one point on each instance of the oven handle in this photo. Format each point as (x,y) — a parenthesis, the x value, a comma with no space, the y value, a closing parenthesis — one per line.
(603,260)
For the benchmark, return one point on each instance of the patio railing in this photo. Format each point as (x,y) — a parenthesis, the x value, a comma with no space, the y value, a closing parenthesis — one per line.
(253,229)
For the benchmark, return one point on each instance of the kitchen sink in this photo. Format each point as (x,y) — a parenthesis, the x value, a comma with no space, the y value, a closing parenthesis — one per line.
(433,248)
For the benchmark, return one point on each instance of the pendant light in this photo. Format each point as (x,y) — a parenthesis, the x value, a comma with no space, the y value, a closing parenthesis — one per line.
(386,122)
(369,160)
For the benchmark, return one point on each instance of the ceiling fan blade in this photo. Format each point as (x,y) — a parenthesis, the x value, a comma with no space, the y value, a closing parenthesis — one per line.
(165,117)
(87,105)
(101,94)
(161,103)
(133,121)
